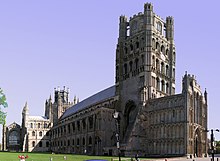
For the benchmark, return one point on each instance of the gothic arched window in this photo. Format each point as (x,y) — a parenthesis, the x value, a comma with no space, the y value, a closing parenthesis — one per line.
(130,66)
(153,43)
(131,47)
(162,49)
(136,63)
(157,46)
(167,71)
(157,64)
(33,143)
(137,44)
(40,144)
(163,85)
(90,140)
(158,84)
(125,69)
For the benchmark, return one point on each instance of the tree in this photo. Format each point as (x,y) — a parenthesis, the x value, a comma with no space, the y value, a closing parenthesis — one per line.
(3,104)
(217,147)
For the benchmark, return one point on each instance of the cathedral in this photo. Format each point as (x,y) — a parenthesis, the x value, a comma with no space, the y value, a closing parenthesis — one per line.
(152,119)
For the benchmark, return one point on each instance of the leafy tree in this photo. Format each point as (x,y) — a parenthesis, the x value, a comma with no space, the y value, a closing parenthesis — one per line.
(217,143)
(3,104)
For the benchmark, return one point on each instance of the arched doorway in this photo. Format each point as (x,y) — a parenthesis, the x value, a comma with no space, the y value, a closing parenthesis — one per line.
(197,144)
(130,114)
(98,146)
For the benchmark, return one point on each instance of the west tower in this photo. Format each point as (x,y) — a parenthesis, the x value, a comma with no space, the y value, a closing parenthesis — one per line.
(145,62)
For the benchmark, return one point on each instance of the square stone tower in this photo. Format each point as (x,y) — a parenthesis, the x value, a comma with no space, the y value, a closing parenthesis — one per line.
(145,62)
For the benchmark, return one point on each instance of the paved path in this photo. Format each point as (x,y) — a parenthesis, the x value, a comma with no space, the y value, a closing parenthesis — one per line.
(181,159)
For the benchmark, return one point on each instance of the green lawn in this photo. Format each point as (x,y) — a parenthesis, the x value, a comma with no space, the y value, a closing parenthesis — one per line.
(10,156)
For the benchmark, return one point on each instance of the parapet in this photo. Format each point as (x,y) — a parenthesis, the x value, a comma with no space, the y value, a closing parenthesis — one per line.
(123,19)
(148,7)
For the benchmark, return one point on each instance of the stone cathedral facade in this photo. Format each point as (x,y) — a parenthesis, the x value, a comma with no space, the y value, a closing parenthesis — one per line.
(154,121)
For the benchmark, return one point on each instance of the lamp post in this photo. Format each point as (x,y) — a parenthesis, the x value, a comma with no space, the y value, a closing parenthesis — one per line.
(212,142)
(117,119)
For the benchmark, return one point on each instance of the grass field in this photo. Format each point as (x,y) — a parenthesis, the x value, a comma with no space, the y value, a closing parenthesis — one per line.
(10,156)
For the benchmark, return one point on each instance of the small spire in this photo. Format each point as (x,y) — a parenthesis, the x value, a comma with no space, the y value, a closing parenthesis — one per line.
(77,100)
(25,109)
(205,94)
(25,104)
(74,100)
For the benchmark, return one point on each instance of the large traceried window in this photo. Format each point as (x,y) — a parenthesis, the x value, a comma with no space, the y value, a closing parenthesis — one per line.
(14,138)
(159,27)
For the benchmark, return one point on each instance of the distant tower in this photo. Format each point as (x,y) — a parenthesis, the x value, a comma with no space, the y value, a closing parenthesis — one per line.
(49,109)
(145,61)
(54,111)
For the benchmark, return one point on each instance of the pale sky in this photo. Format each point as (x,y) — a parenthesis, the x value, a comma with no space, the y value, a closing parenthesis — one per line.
(46,44)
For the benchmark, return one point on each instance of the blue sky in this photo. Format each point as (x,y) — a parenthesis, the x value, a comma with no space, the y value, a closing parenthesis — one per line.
(46,44)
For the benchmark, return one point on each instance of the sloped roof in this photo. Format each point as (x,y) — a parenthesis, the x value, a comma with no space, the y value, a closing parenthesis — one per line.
(38,118)
(14,125)
(96,98)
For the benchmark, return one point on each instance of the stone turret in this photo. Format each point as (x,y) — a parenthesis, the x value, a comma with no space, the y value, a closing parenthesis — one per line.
(148,11)
(170,28)
(123,27)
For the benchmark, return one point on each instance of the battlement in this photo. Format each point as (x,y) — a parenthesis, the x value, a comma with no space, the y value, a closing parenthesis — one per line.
(192,80)
(123,19)
(170,20)
(63,94)
(148,7)
(136,15)
(64,89)
(147,20)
